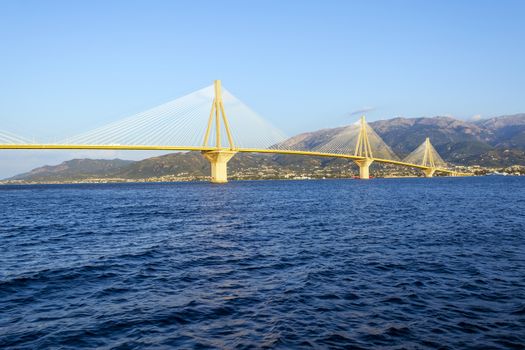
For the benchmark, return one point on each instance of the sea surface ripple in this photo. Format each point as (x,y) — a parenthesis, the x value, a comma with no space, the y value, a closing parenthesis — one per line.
(381,264)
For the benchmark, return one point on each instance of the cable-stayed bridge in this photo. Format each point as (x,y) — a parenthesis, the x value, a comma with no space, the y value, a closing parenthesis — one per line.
(189,124)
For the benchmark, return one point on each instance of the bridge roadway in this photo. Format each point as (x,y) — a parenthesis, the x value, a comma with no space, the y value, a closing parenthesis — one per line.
(211,149)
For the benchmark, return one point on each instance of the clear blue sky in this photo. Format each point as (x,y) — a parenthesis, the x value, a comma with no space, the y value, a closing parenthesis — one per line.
(68,66)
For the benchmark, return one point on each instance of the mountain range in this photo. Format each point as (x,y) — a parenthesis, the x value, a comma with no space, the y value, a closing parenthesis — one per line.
(495,142)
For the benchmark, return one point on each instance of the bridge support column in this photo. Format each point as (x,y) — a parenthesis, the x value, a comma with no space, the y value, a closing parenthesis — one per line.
(364,166)
(219,164)
(429,172)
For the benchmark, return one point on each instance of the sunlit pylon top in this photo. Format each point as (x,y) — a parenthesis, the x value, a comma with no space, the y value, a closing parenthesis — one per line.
(217,109)
(362,147)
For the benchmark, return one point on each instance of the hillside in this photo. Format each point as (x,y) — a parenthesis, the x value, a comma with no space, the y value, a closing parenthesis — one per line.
(75,169)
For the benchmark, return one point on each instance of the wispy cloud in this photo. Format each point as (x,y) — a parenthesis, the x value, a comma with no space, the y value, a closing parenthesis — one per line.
(360,111)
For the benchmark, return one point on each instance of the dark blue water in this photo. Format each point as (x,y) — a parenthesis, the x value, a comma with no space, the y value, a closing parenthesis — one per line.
(408,263)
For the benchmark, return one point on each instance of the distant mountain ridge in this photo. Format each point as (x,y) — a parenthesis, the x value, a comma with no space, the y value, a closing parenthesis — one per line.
(496,141)
(490,142)
(75,169)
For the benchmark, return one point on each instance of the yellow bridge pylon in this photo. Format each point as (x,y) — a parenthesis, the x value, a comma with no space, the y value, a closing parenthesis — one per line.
(428,159)
(219,157)
(363,149)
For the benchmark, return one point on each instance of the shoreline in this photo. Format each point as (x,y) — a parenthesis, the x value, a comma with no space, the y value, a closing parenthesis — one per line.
(204,180)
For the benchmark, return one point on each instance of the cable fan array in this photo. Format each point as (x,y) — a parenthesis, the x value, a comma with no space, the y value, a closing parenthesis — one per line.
(426,155)
(182,122)
(346,140)
(343,140)
(10,138)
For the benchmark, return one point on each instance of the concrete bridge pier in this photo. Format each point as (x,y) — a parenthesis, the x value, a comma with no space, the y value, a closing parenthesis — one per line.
(429,172)
(219,164)
(364,166)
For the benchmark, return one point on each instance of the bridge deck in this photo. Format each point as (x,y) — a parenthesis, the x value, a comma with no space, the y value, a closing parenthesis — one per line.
(199,148)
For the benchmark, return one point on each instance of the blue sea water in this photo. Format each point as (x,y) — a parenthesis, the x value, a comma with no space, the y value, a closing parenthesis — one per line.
(387,263)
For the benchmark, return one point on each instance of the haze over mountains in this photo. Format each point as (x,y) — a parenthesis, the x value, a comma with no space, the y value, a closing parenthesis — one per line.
(491,142)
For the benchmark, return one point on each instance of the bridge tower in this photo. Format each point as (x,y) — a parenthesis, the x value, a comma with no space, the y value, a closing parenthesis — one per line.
(428,159)
(220,156)
(363,149)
